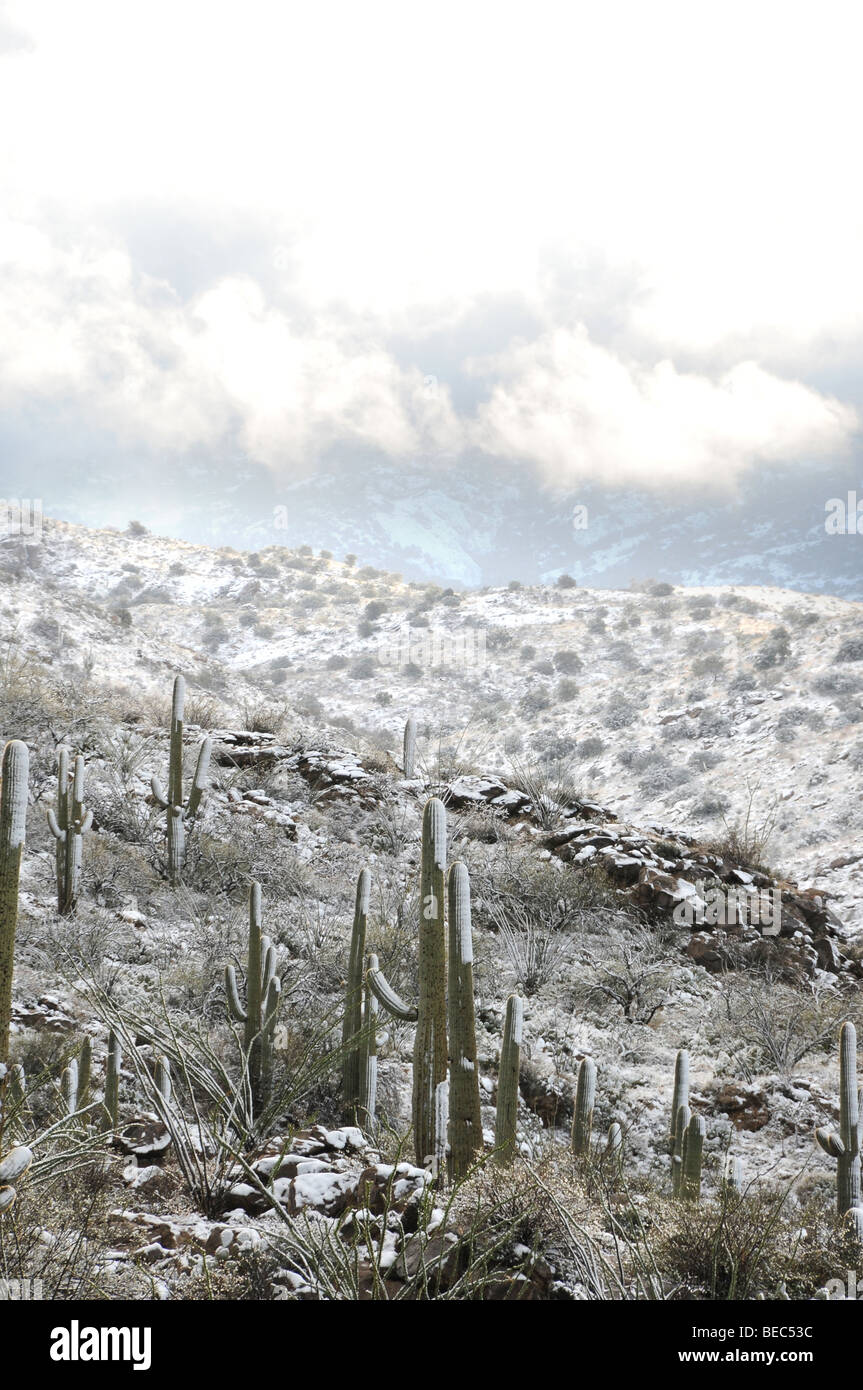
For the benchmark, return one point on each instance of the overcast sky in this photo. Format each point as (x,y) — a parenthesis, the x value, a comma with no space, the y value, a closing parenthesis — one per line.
(597,239)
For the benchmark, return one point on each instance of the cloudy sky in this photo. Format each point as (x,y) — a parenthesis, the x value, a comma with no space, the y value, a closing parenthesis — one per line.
(616,241)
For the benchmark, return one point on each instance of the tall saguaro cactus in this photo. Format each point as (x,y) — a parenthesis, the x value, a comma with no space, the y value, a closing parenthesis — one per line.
(680,1127)
(465,1120)
(585,1096)
(507,1083)
(845,1146)
(680,1095)
(69,824)
(263,988)
(178,810)
(410,748)
(13,820)
(430,1044)
(352,1041)
(693,1149)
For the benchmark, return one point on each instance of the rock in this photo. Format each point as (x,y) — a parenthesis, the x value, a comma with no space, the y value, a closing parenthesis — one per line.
(144,1137)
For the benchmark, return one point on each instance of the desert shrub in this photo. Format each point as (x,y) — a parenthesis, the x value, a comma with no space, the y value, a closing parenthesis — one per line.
(850,650)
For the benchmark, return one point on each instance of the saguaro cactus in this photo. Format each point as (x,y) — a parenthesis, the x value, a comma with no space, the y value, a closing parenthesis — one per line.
(410,748)
(683,1116)
(69,824)
(85,1067)
(465,1120)
(732,1178)
(679,1097)
(178,810)
(845,1146)
(13,818)
(585,1096)
(507,1083)
(430,1045)
(263,988)
(113,1068)
(352,1041)
(693,1148)
(69,1086)
(614,1148)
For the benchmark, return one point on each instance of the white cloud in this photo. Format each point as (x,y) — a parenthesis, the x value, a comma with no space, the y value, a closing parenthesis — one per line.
(579,412)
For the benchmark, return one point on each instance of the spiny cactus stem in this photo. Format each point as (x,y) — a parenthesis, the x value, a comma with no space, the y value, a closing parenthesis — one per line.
(13,818)
(507,1086)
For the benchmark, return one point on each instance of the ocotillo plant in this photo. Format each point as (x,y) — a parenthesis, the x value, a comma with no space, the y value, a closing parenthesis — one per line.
(683,1116)
(113,1067)
(12,1167)
(369,1054)
(13,818)
(465,1120)
(180,811)
(353,1021)
(582,1120)
(679,1097)
(693,1148)
(263,988)
(845,1146)
(507,1082)
(410,748)
(69,824)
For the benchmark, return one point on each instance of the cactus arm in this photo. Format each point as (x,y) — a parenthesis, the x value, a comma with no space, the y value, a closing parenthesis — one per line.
(233,994)
(15,1164)
(53,825)
(13,819)
(200,781)
(387,997)
(158,794)
(175,767)
(70,1087)
(162,1077)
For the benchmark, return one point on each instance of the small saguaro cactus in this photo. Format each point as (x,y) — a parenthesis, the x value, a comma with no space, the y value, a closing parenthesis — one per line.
(69,1086)
(465,1119)
(113,1067)
(693,1148)
(845,1146)
(369,1053)
(85,1067)
(585,1096)
(614,1148)
(69,823)
(180,811)
(13,1166)
(683,1116)
(263,988)
(162,1078)
(352,1041)
(507,1083)
(13,818)
(409,759)
(679,1097)
(732,1177)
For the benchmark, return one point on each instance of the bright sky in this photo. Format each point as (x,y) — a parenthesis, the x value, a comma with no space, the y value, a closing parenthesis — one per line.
(623,238)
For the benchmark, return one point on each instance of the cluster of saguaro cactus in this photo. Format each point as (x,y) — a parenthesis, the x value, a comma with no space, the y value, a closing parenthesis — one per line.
(180,810)
(845,1146)
(506,1117)
(13,817)
(435,1061)
(13,1166)
(410,748)
(75,1081)
(263,990)
(69,823)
